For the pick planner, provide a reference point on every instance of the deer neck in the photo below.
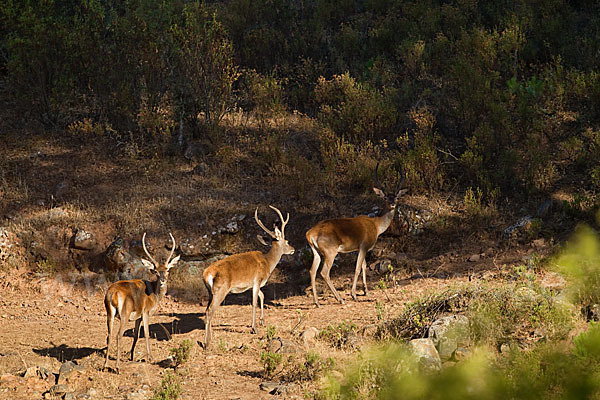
(274, 255)
(159, 290)
(385, 220)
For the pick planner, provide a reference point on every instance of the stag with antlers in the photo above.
(346, 235)
(135, 299)
(241, 272)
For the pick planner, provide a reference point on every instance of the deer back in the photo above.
(345, 234)
(139, 294)
(237, 271)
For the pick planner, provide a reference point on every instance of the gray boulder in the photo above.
(448, 334)
(426, 353)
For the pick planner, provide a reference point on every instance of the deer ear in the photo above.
(148, 264)
(261, 240)
(379, 192)
(173, 262)
(401, 193)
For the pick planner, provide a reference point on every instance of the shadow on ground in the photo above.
(182, 323)
(64, 352)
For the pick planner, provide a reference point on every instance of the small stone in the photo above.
(461, 353)
(448, 333)
(67, 369)
(168, 362)
(309, 336)
(59, 389)
(539, 243)
(83, 240)
(268, 386)
(139, 395)
(30, 372)
(7, 378)
(44, 373)
(475, 258)
(505, 348)
(69, 396)
(283, 346)
(426, 353)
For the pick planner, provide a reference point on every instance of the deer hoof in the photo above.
(253, 331)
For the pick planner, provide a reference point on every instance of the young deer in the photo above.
(346, 235)
(240, 272)
(133, 299)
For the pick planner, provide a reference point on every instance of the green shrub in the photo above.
(170, 387)
(579, 262)
(547, 371)
(271, 331)
(181, 354)
(422, 165)
(354, 111)
(518, 314)
(509, 312)
(263, 96)
(338, 335)
(309, 369)
(270, 362)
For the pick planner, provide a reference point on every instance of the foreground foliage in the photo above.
(547, 371)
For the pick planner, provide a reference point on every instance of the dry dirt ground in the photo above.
(46, 321)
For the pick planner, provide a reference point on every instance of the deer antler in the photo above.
(283, 221)
(271, 233)
(146, 250)
(172, 250)
(399, 190)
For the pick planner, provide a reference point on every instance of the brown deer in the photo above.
(345, 235)
(241, 272)
(135, 299)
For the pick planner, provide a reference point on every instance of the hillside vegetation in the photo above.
(120, 118)
(503, 97)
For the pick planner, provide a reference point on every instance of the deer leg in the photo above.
(207, 322)
(145, 318)
(364, 275)
(261, 297)
(122, 326)
(109, 322)
(359, 262)
(136, 335)
(255, 290)
(327, 264)
(216, 300)
(313, 273)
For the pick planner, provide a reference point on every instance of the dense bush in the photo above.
(502, 314)
(547, 371)
(579, 261)
(138, 66)
(509, 91)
